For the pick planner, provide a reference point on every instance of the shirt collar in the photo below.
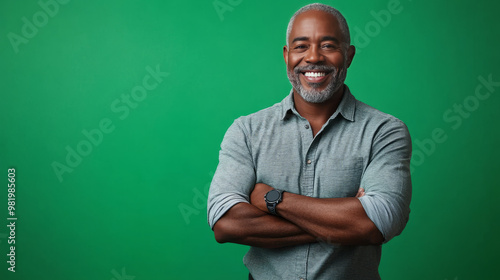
(346, 108)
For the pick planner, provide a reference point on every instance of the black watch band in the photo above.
(273, 197)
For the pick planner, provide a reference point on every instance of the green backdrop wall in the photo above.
(112, 114)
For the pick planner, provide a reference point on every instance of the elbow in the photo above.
(233, 225)
(368, 234)
(220, 236)
(374, 236)
(219, 233)
(224, 232)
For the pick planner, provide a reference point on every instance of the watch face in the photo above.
(273, 195)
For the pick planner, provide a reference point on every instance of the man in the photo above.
(314, 184)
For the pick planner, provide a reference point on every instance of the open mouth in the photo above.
(315, 76)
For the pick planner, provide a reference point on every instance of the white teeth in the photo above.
(315, 74)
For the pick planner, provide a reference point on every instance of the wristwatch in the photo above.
(273, 197)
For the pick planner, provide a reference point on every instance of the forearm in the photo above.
(246, 224)
(336, 220)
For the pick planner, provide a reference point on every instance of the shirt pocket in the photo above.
(340, 177)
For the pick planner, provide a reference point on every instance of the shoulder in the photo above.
(367, 113)
(381, 125)
(273, 111)
(247, 129)
(264, 118)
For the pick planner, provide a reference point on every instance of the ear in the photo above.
(285, 54)
(351, 51)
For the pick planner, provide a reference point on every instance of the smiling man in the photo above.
(318, 182)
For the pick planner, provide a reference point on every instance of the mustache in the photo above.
(299, 69)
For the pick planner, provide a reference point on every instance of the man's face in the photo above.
(317, 57)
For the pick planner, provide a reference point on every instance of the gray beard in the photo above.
(313, 95)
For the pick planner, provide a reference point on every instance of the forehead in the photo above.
(315, 24)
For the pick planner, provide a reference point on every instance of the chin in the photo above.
(314, 96)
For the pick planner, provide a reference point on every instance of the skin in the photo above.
(315, 39)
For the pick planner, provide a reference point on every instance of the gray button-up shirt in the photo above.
(358, 146)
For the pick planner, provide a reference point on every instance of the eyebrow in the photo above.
(330, 38)
(324, 38)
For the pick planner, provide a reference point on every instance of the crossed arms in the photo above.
(303, 220)
(238, 212)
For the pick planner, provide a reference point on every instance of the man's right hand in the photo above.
(361, 192)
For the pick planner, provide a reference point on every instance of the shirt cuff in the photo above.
(387, 215)
(221, 204)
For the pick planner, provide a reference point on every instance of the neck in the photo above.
(318, 113)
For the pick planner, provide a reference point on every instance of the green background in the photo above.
(117, 215)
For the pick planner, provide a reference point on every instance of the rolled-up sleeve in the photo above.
(387, 181)
(234, 178)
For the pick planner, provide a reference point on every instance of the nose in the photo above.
(314, 55)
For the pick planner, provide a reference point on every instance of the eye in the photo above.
(328, 46)
(299, 47)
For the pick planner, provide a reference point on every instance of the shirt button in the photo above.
(309, 161)
(307, 127)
